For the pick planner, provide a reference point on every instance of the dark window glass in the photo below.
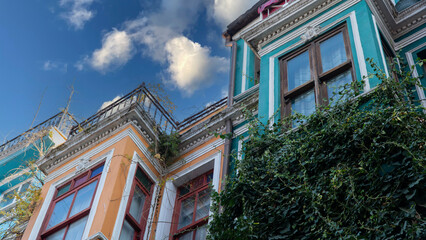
(97, 171)
(143, 179)
(80, 181)
(63, 190)
(184, 190)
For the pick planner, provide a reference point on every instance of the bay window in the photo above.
(69, 210)
(192, 209)
(310, 76)
(137, 208)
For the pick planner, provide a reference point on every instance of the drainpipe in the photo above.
(227, 152)
(228, 122)
(232, 73)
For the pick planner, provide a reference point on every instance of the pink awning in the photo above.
(267, 4)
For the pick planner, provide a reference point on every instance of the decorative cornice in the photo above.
(285, 20)
(93, 136)
(399, 23)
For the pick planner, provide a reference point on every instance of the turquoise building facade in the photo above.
(17, 155)
(278, 43)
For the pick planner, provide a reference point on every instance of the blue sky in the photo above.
(106, 48)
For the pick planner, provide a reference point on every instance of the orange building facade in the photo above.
(104, 183)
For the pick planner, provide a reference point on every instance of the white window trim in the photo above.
(411, 63)
(16, 187)
(244, 75)
(52, 189)
(380, 45)
(136, 160)
(169, 194)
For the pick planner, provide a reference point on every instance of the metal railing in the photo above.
(143, 100)
(140, 98)
(202, 114)
(63, 121)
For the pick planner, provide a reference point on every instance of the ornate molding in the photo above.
(399, 23)
(290, 17)
(310, 33)
(82, 165)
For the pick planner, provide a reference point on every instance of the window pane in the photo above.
(76, 229)
(59, 235)
(127, 232)
(304, 104)
(210, 177)
(24, 187)
(201, 233)
(80, 181)
(83, 198)
(60, 211)
(96, 171)
(332, 52)
(184, 190)
(298, 70)
(186, 212)
(336, 84)
(143, 179)
(138, 200)
(203, 204)
(63, 190)
(7, 199)
(187, 236)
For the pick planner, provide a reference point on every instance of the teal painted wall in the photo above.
(239, 67)
(243, 72)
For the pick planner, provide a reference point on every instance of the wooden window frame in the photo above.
(176, 233)
(139, 226)
(72, 190)
(318, 77)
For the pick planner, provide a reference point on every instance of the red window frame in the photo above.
(139, 226)
(196, 186)
(72, 190)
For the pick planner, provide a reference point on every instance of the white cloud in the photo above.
(226, 11)
(159, 35)
(190, 64)
(50, 65)
(209, 104)
(77, 12)
(116, 50)
(107, 103)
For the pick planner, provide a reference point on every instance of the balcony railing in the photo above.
(202, 114)
(63, 121)
(143, 100)
(140, 98)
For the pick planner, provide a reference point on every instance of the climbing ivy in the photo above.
(352, 171)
